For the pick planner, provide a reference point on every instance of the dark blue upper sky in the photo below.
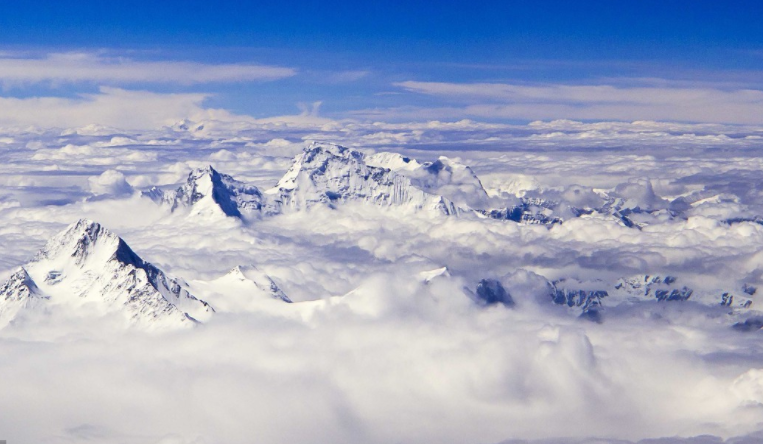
(507, 42)
(409, 30)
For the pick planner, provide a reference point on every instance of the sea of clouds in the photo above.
(395, 359)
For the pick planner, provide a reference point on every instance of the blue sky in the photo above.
(403, 60)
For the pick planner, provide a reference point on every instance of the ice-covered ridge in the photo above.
(88, 265)
(260, 280)
(243, 289)
(207, 191)
(444, 177)
(430, 275)
(393, 161)
(594, 295)
(331, 174)
(19, 292)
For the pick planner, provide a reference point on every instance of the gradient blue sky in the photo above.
(409, 60)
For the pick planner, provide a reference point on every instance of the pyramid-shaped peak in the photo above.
(207, 182)
(209, 192)
(19, 286)
(261, 280)
(88, 263)
(241, 270)
(248, 272)
(202, 171)
(80, 239)
(208, 171)
(83, 227)
(86, 241)
(84, 230)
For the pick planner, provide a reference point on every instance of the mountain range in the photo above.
(88, 268)
(332, 175)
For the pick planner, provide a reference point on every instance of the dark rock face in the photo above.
(99, 265)
(660, 287)
(529, 211)
(727, 300)
(491, 291)
(676, 294)
(572, 297)
(331, 174)
(593, 315)
(751, 324)
(233, 197)
(19, 286)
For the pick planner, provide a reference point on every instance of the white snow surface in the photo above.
(330, 174)
(88, 269)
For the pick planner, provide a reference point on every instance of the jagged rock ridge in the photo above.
(491, 291)
(87, 264)
(329, 174)
(332, 174)
(260, 280)
(207, 191)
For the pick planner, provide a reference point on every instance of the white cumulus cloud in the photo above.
(111, 182)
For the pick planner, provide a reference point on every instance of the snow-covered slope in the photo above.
(19, 292)
(444, 177)
(393, 161)
(208, 192)
(530, 211)
(331, 174)
(430, 275)
(670, 288)
(460, 184)
(88, 268)
(452, 179)
(590, 297)
(244, 288)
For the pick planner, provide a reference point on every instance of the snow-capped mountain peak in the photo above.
(80, 242)
(19, 286)
(329, 174)
(452, 179)
(445, 177)
(393, 161)
(317, 156)
(208, 192)
(263, 282)
(245, 288)
(88, 265)
(19, 292)
(430, 275)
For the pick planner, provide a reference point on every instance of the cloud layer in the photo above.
(370, 353)
(57, 68)
(113, 107)
(592, 102)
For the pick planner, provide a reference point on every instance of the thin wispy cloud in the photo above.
(560, 101)
(73, 67)
(349, 76)
(110, 106)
